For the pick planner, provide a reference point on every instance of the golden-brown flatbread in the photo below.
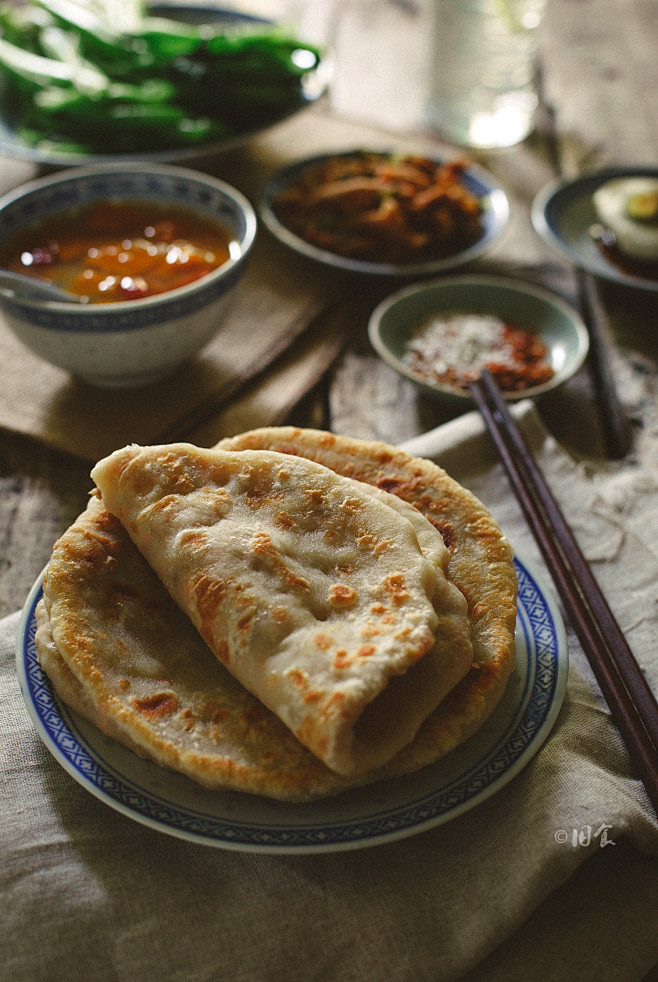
(481, 565)
(122, 653)
(324, 597)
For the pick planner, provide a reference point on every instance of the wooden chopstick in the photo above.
(614, 423)
(615, 426)
(624, 687)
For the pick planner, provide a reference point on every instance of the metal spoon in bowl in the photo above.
(29, 288)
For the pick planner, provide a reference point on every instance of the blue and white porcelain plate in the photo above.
(563, 214)
(369, 816)
(476, 180)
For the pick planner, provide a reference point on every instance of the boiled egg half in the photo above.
(628, 207)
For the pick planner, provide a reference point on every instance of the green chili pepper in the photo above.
(126, 127)
(97, 42)
(69, 98)
(53, 144)
(22, 26)
(136, 114)
(167, 40)
(108, 77)
(31, 71)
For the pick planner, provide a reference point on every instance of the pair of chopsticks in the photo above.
(631, 702)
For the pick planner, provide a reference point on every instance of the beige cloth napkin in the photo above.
(495, 894)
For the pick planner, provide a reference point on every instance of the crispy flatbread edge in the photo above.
(462, 712)
(447, 728)
(223, 774)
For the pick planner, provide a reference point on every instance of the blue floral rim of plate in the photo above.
(406, 807)
(476, 180)
(562, 214)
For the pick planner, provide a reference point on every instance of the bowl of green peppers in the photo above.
(84, 81)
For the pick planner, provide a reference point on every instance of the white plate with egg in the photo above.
(605, 222)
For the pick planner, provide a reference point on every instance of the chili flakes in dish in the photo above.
(453, 349)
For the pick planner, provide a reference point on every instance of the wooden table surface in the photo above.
(599, 75)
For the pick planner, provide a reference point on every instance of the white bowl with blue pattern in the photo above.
(130, 342)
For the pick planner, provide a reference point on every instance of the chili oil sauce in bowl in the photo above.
(150, 253)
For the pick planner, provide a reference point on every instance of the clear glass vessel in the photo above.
(482, 70)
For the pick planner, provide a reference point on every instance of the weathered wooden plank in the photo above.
(40, 495)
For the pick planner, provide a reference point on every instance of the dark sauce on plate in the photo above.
(607, 245)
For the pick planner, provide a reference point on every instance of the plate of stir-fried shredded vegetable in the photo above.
(385, 212)
(92, 80)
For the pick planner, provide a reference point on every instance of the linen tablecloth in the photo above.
(499, 893)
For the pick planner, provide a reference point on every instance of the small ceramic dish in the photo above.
(396, 320)
(475, 180)
(138, 341)
(563, 214)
